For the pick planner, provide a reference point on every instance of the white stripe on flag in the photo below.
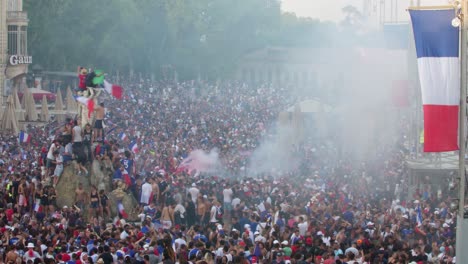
(440, 80)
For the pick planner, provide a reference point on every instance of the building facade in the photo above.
(14, 56)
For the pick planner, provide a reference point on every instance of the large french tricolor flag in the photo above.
(439, 73)
(114, 90)
(88, 102)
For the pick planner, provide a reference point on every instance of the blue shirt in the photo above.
(117, 175)
(128, 165)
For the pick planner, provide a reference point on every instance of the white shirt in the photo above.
(261, 226)
(26, 256)
(180, 208)
(235, 202)
(123, 235)
(77, 134)
(213, 213)
(227, 193)
(179, 242)
(146, 190)
(194, 193)
(59, 159)
(302, 228)
(50, 153)
(260, 238)
(326, 240)
(219, 252)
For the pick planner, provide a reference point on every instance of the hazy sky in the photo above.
(331, 9)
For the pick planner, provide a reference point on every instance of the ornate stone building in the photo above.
(14, 57)
(326, 72)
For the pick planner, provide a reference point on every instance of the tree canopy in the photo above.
(206, 37)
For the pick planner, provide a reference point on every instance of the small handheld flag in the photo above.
(122, 136)
(134, 147)
(419, 218)
(24, 137)
(121, 209)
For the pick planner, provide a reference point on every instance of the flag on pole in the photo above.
(134, 147)
(121, 209)
(436, 42)
(114, 90)
(126, 178)
(37, 206)
(122, 136)
(419, 218)
(89, 103)
(24, 137)
(111, 130)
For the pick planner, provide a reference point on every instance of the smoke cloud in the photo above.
(359, 84)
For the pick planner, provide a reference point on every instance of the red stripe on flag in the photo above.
(117, 91)
(90, 107)
(440, 128)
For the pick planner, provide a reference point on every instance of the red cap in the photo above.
(66, 257)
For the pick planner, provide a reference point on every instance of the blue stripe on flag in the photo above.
(434, 34)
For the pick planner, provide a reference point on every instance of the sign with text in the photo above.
(20, 59)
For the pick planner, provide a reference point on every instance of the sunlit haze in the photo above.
(331, 10)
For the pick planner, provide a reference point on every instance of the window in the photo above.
(12, 39)
(23, 41)
(13, 5)
(17, 40)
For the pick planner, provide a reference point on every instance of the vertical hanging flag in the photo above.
(439, 73)
(134, 147)
(24, 137)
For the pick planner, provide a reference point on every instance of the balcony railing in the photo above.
(17, 15)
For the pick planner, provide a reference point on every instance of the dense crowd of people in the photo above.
(330, 208)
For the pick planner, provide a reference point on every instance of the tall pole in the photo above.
(462, 224)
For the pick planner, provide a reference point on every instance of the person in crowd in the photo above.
(50, 164)
(88, 142)
(104, 209)
(58, 167)
(99, 123)
(94, 202)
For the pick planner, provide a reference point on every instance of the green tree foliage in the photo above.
(202, 37)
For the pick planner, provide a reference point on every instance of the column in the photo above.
(3, 48)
